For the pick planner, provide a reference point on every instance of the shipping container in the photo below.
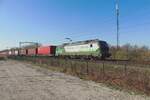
(32, 51)
(47, 50)
(23, 52)
(5, 52)
(12, 52)
(16, 52)
(9, 52)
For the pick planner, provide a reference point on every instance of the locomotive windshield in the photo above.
(104, 49)
(103, 44)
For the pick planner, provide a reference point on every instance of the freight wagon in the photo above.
(13, 52)
(31, 51)
(46, 50)
(39, 51)
(23, 51)
(86, 49)
(4, 53)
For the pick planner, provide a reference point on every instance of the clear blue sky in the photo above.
(50, 21)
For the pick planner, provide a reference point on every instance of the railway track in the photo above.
(110, 61)
(115, 61)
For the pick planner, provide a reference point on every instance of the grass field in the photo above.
(121, 76)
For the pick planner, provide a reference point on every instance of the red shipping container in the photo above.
(47, 50)
(32, 51)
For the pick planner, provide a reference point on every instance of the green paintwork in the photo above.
(61, 51)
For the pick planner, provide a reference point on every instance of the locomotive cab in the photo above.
(104, 49)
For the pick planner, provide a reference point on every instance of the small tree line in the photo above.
(130, 52)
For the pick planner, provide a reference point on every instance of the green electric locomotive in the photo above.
(84, 49)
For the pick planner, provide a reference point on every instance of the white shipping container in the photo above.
(16, 52)
(9, 53)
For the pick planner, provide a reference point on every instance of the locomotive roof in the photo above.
(82, 42)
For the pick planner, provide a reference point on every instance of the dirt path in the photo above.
(20, 81)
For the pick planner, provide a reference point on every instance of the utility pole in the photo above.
(117, 17)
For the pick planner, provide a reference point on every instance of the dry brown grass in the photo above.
(123, 76)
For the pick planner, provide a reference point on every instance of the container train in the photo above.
(81, 49)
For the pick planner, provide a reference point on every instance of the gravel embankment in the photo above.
(21, 81)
